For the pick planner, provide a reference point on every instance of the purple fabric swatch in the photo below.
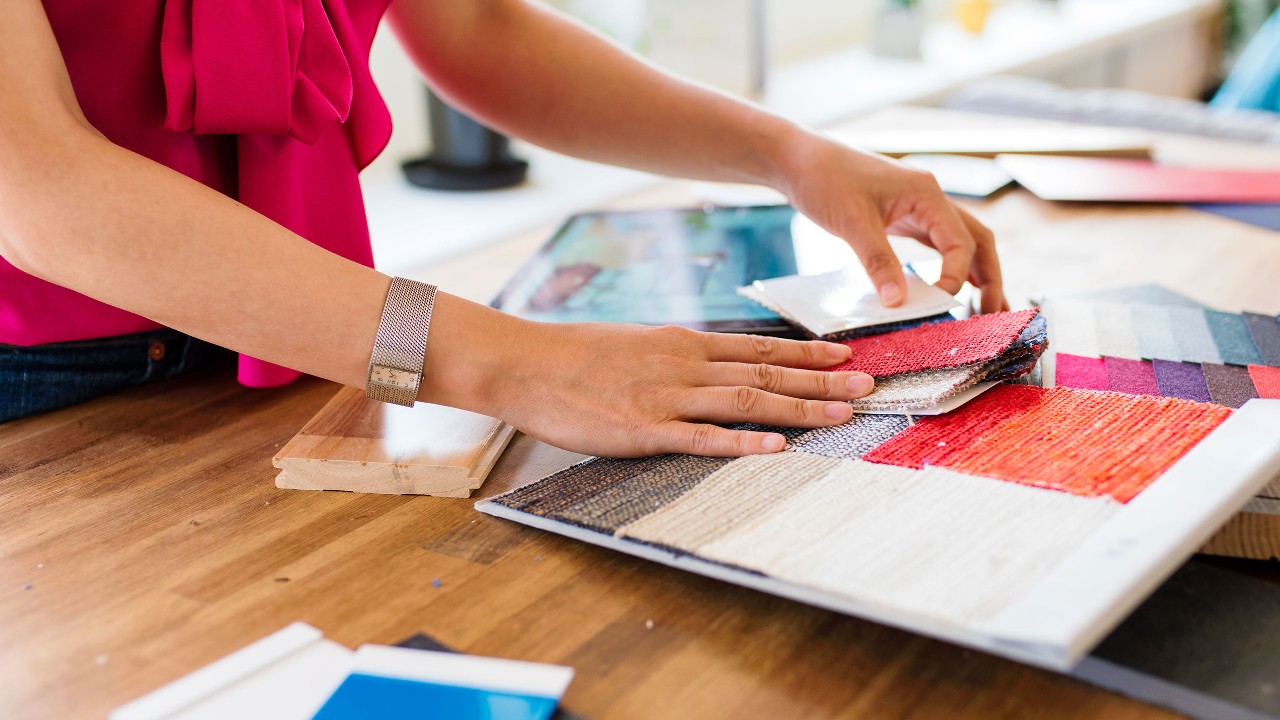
(1084, 373)
(1181, 380)
(1263, 215)
(1231, 335)
(1135, 377)
(1229, 385)
(1265, 331)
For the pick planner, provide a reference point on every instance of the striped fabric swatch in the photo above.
(1228, 385)
(944, 545)
(1175, 333)
(1084, 443)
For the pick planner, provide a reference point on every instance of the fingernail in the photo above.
(773, 443)
(838, 411)
(838, 351)
(891, 293)
(860, 384)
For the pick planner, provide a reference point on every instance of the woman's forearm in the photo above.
(537, 75)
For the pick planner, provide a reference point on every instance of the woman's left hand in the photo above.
(861, 196)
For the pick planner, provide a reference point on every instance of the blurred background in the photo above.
(1149, 63)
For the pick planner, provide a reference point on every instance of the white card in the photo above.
(844, 300)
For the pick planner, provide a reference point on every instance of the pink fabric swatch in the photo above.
(937, 345)
(1135, 377)
(1085, 373)
(1266, 380)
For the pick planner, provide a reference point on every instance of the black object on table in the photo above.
(465, 155)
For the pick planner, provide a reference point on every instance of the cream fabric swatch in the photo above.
(919, 390)
(933, 542)
(1155, 332)
(1116, 338)
(1072, 327)
(731, 496)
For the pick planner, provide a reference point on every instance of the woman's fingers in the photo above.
(701, 439)
(985, 272)
(773, 351)
(748, 404)
(811, 384)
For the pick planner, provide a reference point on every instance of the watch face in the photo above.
(395, 377)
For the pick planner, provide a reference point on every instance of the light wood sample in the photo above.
(362, 445)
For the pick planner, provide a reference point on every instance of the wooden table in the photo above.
(141, 536)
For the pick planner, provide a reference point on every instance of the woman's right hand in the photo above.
(631, 390)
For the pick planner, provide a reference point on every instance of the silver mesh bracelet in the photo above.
(395, 368)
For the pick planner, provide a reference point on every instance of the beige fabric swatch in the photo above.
(919, 390)
(1073, 328)
(934, 542)
(731, 496)
(1116, 337)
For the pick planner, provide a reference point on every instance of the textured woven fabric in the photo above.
(730, 497)
(1228, 385)
(937, 440)
(1264, 330)
(1181, 380)
(1266, 380)
(1085, 443)
(919, 390)
(1135, 377)
(574, 484)
(1116, 338)
(853, 439)
(1192, 336)
(1154, 331)
(1021, 357)
(640, 494)
(1075, 371)
(939, 345)
(1075, 329)
(1231, 335)
(936, 543)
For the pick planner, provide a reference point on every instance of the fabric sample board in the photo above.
(1122, 180)
(983, 522)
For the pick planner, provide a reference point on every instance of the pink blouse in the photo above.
(268, 101)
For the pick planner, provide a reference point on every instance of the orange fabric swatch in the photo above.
(1078, 441)
(1266, 380)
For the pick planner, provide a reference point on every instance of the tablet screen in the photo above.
(659, 267)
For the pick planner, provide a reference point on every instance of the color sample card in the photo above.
(1012, 524)
(394, 682)
(1172, 350)
(1117, 180)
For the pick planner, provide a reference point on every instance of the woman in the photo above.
(192, 165)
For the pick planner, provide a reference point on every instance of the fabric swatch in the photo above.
(732, 496)
(1181, 380)
(938, 345)
(853, 439)
(1192, 336)
(1265, 332)
(1155, 333)
(1081, 442)
(1231, 335)
(1075, 327)
(919, 389)
(1135, 377)
(640, 494)
(1266, 380)
(1229, 385)
(1085, 373)
(1116, 338)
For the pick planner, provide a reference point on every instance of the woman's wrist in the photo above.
(469, 350)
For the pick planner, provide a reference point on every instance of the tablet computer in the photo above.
(670, 267)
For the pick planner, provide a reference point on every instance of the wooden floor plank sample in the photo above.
(361, 445)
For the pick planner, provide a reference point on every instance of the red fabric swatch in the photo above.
(1077, 441)
(1266, 380)
(937, 345)
(1076, 371)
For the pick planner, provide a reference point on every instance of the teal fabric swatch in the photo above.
(1231, 335)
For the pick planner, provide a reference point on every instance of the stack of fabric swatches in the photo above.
(921, 367)
(1167, 350)
(951, 519)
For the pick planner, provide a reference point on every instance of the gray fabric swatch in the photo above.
(1155, 334)
(1191, 333)
(1265, 331)
(853, 439)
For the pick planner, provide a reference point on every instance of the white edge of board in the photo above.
(1061, 618)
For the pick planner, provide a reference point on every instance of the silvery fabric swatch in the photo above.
(853, 439)
(1191, 333)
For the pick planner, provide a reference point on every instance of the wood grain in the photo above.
(360, 445)
(141, 535)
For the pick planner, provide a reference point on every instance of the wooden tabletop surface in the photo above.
(141, 535)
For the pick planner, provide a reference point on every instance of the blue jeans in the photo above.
(47, 377)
